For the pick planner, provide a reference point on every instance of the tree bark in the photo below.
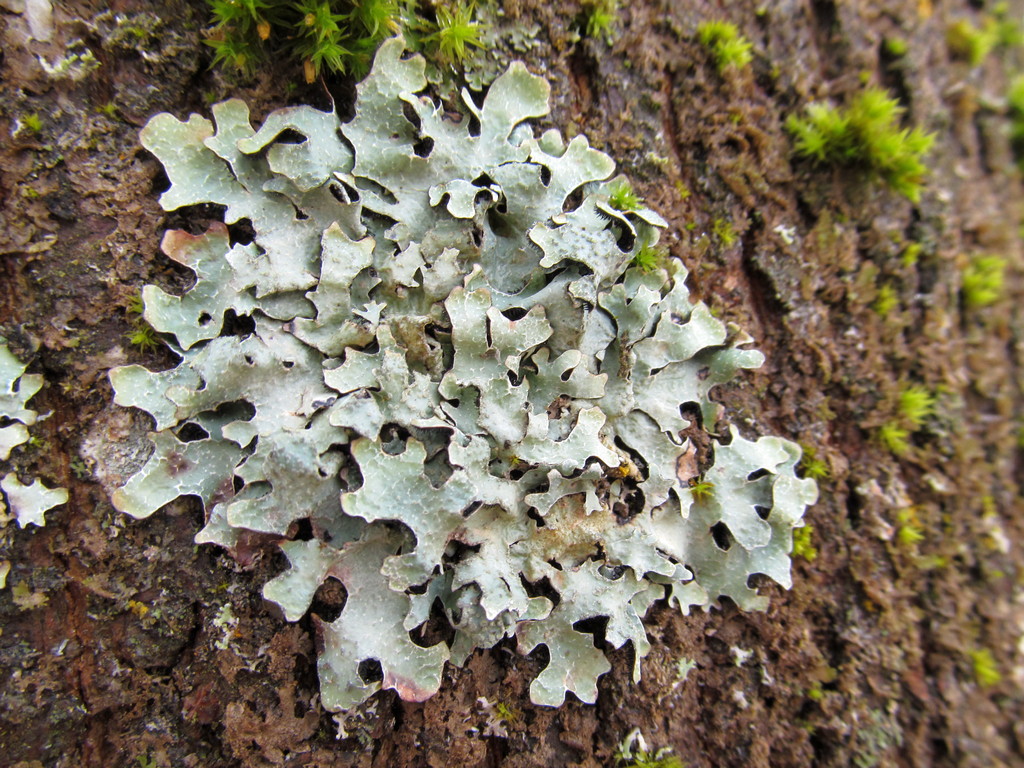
(115, 650)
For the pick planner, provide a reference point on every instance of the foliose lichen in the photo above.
(26, 503)
(455, 376)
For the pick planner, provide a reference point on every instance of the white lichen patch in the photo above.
(447, 365)
(26, 503)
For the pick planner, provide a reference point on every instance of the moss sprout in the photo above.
(909, 532)
(724, 231)
(728, 47)
(333, 36)
(865, 134)
(803, 545)
(986, 669)
(701, 490)
(982, 281)
(971, 43)
(599, 17)
(649, 258)
(31, 123)
(886, 301)
(895, 438)
(622, 197)
(916, 404)
(456, 32)
(811, 465)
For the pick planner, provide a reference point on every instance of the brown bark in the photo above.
(872, 657)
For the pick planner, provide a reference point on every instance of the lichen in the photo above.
(27, 503)
(452, 372)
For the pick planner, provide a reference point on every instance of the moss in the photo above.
(895, 438)
(886, 301)
(982, 281)
(911, 254)
(456, 32)
(31, 123)
(896, 47)
(811, 466)
(650, 258)
(970, 43)
(802, 545)
(727, 46)
(916, 404)
(599, 17)
(866, 134)
(621, 196)
(724, 231)
(334, 36)
(986, 669)
(701, 490)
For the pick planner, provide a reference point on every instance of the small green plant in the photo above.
(896, 47)
(108, 110)
(728, 47)
(621, 196)
(909, 533)
(724, 231)
(455, 31)
(802, 544)
(885, 301)
(916, 404)
(334, 36)
(986, 668)
(865, 134)
(143, 337)
(911, 254)
(701, 490)
(894, 437)
(632, 752)
(811, 465)
(971, 43)
(982, 281)
(599, 16)
(648, 258)
(31, 123)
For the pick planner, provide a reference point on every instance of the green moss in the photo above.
(866, 134)
(649, 258)
(599, 17)
(909, 532)
(811, 466)
(896, 46)
(911, 254)
(724, 231)
(895, 438)
(802, 545)
(982, 281)
(143, 337)
(916, 404)
(971, 43)
(109, 110)
(31, 123)
(456, 31)
(728, 47)
(701, 490)
(886, 301)
(621, 196)
(334, 36)
(986, 669)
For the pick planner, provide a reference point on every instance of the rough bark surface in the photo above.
(110, 653)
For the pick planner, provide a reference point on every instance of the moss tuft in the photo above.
(865, 134)
(728, 47)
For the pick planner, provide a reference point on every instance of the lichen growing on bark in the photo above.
(452, 372)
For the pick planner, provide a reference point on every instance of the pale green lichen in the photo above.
(454, 374)
(27, 503)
